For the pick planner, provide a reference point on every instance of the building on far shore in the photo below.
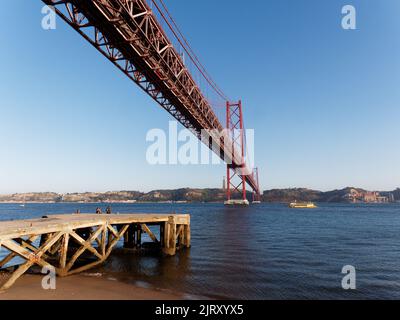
(368, 197)
(354, 196)
(382, 199)
(371, 197)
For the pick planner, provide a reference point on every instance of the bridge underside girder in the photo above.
(128, 34)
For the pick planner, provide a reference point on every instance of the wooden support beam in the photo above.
(130, 239)
(166, 235)
(56, 247)
(85, 267)
(29, 244)
(113, 231)
(162, 234)
(115, 241)
(146, 229)
(24, 244)
(85, 245)
(35, 255)
(179, 230)
(172, 239)
(30, 257)
(104, 240)
(179, 235)
(139, 236)
(97, 240)
(64, 253)
(109, 247)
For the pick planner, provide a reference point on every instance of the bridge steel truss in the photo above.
(128, 34)
(235, 176)
(237, 171)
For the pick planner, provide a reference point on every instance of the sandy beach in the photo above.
(82, 287)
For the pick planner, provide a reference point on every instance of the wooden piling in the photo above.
(187, 236)
(169, 247)
(138, 236)
(130, 238)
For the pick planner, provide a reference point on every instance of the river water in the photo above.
(265, 251)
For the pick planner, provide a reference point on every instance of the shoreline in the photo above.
(167, 202)
(85, 287)
(108, 202)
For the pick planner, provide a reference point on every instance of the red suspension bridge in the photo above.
(143, 40)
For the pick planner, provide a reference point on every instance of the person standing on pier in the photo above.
(98, 211)
(108, 210)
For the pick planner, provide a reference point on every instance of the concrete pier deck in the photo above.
(60, 241)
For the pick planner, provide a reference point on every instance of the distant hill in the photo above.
(31, 197)
(112, 196)
(334, 196)
(289, 195)
(190, 195)
(183, 195)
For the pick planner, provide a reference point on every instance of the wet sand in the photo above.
(82, 287)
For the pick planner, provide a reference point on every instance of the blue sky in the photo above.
(324, 102)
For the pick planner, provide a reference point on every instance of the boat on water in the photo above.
(302, 205)
(23, 203)
(237, 203)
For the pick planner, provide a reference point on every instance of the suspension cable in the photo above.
(186, 46)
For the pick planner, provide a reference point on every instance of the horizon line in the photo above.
(198, 188)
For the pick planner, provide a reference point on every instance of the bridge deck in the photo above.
(59, 241)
